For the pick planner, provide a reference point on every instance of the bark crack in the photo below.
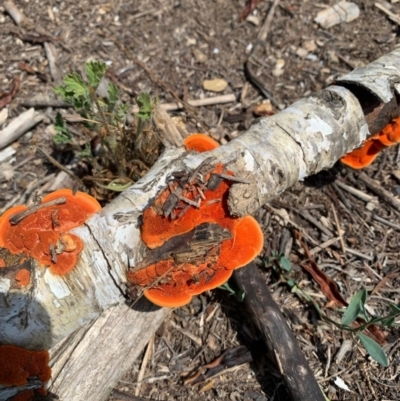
(295, 140)
(113, 279)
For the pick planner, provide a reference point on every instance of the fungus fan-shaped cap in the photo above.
(200, 143)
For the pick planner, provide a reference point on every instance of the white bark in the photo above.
(305, 138)
(19, 126)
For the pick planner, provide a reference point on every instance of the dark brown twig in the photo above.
(280, 341)
(59, 165)
(17, 218)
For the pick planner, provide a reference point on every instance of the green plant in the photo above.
(239, 294)
(355, 310)
(278, 261)
(103, 120)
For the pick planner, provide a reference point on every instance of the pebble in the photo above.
(199, 56)
(215, 85)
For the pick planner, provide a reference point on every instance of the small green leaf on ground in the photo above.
(112, 96)
(285, 263)
(374, 349)
(145, 106)
(95, 72)
(63, 135)
(116, 185)
(355, 307)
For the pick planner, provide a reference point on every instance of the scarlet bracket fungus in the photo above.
(364, 156)
(18, 364)
(41, 231)
(194, 202)
(200, 143)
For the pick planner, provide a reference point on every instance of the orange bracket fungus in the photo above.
(369, 151)
(41, 230)
(17, 365)
(194, 242)
(200, 143)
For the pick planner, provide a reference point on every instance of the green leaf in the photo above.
(291, 283)
(86, 152)
(388, 321)
(374, 349)
(121, 112)
(63, 135)
(285, 263)
(95, 72)
(112, 96)
(74, 84)
(355, 307)
(227, 287)
(60, 91)
(145, 106)
(116, 186)
(240, 295)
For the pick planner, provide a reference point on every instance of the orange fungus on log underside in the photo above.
(172, 284)
(17, 364)
(23, 277)
(41, 234)
(369, 151)
(200, 143)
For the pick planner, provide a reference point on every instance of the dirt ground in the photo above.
(185, 43)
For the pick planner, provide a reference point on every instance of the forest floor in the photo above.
(185, 43)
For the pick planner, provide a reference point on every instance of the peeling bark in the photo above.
(307, 137)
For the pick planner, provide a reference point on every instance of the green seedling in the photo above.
(104, 117)
(239, 294)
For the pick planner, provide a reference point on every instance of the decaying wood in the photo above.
(308, 136)
(171, 135)
(187, 247)
(281, 343)
(19, 126)
(341, 12)
(16, 14)
(89, 363)
(51, 54)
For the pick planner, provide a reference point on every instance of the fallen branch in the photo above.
(310, 135)
(281, 343)
(19, 126)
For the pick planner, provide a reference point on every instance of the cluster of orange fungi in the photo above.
(42, 234)
(369, 151)
(18, 364)
(172, 284)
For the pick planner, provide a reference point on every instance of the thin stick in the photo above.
(339, 230)
(16, 14)
(60, 166)
(142, 371)
(208, 101)
(234, 179)
(17, 218)
(356, 192)
(263, 33)
(381, 192)
(393, 17)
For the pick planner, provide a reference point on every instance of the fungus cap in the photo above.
(41, 233)
(200, 143)
(171, 284)
(369, 151)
